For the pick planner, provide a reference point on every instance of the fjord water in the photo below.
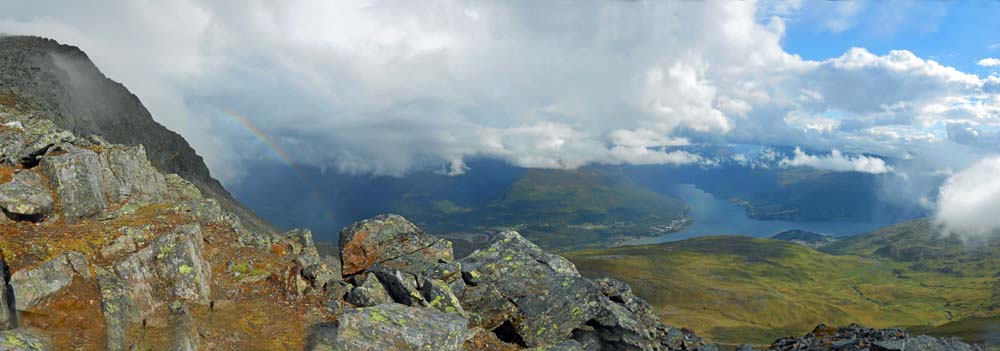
(715, 216)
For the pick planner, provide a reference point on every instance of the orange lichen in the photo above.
(72, 317)
(6, 174)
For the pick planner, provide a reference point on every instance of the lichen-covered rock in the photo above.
(857, 338)
(128, 175)
(369, 293)
(392, 241)
(77, 178)
(318, 275)
(170, 267)
(626, 322)
(403, 287)
(397, 327)
(23, 340)
(8, 316)
(438, 295)
(34, 285)
(568, 345)
(117, 308)
(26, 196)
(551, 300)
(301, 246)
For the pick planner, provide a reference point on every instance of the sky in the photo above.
(910, 89)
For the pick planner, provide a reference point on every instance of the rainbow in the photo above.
(284, 156)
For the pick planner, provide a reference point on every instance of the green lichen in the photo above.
(185, 269)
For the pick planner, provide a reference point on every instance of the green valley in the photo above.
(734, 288)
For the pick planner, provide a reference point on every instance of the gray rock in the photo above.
(23, 340)
(26, 196)
(32, 286)
(170, 267)
(117, 308)
(403, 287)
(397, 327)
(77, 178)
(8, 316)
(318, 275)
(300, 242)
(392, 241)
(439, 296)
(857, 338)
(369, 293)
(550, 299)
(128, 175)
(568, 345)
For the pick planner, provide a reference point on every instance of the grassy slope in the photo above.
(735, 289)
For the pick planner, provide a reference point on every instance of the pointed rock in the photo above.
(394, 242)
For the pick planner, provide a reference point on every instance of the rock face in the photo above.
(170, 268)
(395, 327)
(26, 197)
(8, 316)
(23, 340)
(857, 338)
(60, 82)
(388, 238)
(76, 177)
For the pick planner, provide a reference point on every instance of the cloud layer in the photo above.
(837, 162)
(970, 200)
(387, 87)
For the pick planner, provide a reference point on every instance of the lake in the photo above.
(713, 216)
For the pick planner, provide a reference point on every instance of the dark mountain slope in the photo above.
(61, 83)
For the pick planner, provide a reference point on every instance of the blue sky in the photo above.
(956, 34)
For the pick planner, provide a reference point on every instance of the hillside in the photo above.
(558, 209)
(740, 288)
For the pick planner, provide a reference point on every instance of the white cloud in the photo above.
(387, 87)
(989, 62)
(838, 162)
(969, 201)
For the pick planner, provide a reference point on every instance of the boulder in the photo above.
(23, 340)
(117, 308)
(369, 293)
(8, 316)
(301, 246)
(392, 241)
(396, 327)
(77, 178)
(170, 267)
(551, 299)
(32, 286)
(128, 175)
(26, 197)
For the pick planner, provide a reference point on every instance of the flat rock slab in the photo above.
(32, 286)
(397, 327)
